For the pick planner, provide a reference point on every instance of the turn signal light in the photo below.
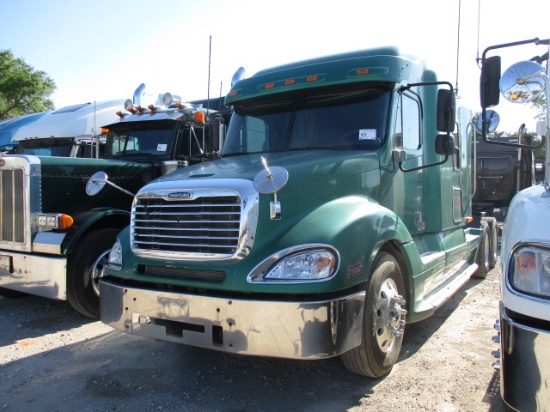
(54, 221)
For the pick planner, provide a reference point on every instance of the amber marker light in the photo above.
(269, 86)
(65, 221)
(313, 78)
(361, 72)
(199, 117)
(104, 130)
(289, 82)
(468, 219)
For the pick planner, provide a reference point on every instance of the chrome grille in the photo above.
(12, 205)
(205, 225)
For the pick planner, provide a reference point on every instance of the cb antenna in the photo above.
(209, 63)
(457, 48)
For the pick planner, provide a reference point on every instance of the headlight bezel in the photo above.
(115, 256)
(533, 259)
(260, 273)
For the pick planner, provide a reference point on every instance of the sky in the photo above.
(101, 49)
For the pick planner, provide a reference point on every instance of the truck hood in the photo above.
(318, 171)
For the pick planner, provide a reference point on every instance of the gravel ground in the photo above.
(53, 359)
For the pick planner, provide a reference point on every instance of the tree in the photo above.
(23, 89)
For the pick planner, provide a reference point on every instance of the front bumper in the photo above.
(39, 275)
(286, 329)
(525, 365)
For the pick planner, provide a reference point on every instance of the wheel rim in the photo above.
(486, 251)
(97, 270)
(389, 315)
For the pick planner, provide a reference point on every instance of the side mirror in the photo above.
(445, 144)
(523, 82)
(96, 183)
(492, 119)
(445, 111)
(489, 82)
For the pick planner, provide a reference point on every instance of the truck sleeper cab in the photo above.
(330, 220)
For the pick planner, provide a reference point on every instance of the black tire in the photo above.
(88, 258)
(493, 240)
(483, 252)
(383, 322)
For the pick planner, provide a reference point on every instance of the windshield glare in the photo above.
(338, 120)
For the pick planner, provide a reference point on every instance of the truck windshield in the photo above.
(338, 120)
(58, 146)
(140, 140)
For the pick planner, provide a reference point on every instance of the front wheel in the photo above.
(84, 268)
(383, 322)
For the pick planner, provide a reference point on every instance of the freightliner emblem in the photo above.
(180, 195)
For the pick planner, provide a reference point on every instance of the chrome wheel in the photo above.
(389, 315)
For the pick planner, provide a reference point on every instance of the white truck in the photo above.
(524, 307)
(72, 131)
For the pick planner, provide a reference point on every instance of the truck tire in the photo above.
(493, 240)
(383, 322)
(483, 254)
(84, 265)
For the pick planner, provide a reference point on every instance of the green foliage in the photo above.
(23, 89)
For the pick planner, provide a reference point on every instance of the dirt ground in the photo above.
(53, 359)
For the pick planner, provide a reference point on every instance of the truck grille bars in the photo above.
(194, 223)
(12, 205)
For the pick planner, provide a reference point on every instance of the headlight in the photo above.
(115, 256)
(54, 221)
(295, 265)
(529, 271)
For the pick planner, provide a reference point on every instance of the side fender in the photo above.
(92, 220)
(357, 227)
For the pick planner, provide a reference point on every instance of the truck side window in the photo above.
(408, 120)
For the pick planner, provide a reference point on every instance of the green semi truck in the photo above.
(54, 237)
(337, 213)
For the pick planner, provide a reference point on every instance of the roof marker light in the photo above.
(289, 82)
(363, 71)
(269, 86)
(199, 117)
(312, 78)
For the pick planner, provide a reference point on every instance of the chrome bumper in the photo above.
(33, 274)
(525, 365)
(298, 330)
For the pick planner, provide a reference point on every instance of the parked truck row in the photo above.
(313, 212)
